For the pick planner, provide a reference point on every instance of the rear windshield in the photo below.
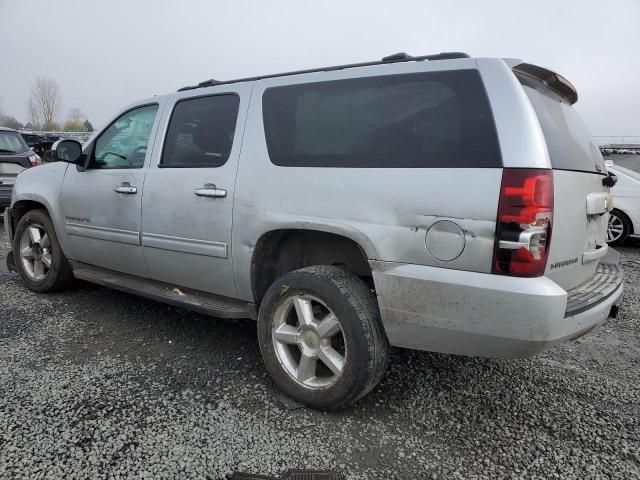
(435, 119)
(11, 142)
(568, 138)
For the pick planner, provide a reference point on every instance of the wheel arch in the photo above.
(20, 207)
(283, 250)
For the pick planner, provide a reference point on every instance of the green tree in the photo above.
(87, 126)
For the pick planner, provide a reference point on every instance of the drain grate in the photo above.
(293, 475)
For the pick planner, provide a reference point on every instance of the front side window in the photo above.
(201, 132)
(124, 143)
(431, 119)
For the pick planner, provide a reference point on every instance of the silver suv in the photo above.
(440, 203)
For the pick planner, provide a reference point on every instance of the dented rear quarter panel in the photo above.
(386, 211)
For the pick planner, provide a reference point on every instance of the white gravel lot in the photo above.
(100, 384)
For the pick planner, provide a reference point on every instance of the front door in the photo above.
(101, 204)
(188, 197)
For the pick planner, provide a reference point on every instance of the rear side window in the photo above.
(12, 142)
(435, 119)
(201, 132)
(568, 138)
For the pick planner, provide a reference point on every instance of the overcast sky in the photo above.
(106, 54)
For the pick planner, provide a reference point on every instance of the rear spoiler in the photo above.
(552, 80)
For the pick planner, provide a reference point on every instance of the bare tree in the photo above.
(75, 121)
(76, 116)
(45, 101)
(34, 118)
(8, 121)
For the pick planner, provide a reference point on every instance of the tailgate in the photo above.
(578, 238)
(581, 201)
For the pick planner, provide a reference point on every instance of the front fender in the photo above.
(42, 185)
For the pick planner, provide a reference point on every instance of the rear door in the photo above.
(189, 191)
(581, 201)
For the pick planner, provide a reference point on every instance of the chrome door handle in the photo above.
(210, 190)
(125, 187)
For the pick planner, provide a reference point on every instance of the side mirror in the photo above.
(69, 151)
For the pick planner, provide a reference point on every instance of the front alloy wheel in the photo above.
(35, 251)
(37, 254)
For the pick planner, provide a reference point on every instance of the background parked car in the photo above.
(624, 219)
(15, 156)
(38, 143)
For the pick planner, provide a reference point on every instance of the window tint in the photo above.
(124, 143)
(435, 119)
(568, 138)
(201, 132)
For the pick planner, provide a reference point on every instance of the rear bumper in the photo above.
(477, 314)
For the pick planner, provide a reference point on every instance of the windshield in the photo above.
(12, 142)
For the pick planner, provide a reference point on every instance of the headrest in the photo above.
(213, 136)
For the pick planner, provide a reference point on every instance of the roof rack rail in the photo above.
(206, 83)
(395, 58)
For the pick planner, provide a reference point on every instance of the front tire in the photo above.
(618, 228)
(38, 256)
(321, 337)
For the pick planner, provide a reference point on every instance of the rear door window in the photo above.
(434, 119)
(201, 132)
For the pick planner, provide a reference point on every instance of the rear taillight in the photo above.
(35, 160)
(523, 227)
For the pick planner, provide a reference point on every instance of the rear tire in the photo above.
(322, 338)
(618, 228)
(38, 256)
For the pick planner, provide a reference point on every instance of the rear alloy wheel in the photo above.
(37, 254)
(321, 336)
(309, 341)
(618, 228)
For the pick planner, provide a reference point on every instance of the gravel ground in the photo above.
(100, 384)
